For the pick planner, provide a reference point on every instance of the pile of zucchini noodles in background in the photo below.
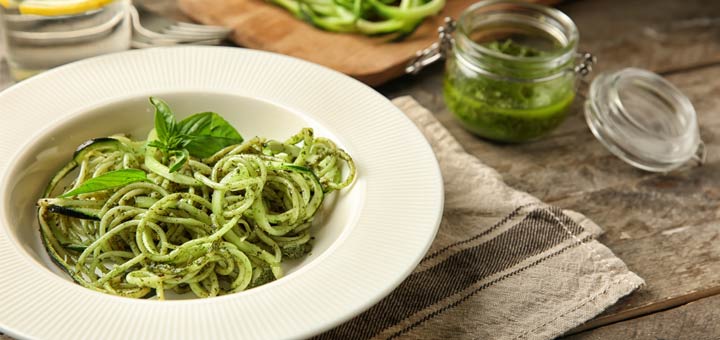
(137, 218)
(369, 17)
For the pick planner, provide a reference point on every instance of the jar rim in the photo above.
(560, 57)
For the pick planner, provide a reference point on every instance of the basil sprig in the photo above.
(200, 135)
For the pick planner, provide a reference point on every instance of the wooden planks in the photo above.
(666, 228)
(570, 152)
(664, 36)
(693, 321)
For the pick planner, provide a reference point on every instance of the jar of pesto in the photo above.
(510, 76)
(511, 69)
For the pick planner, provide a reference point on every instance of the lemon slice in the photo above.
(8, 3)
(54, 7)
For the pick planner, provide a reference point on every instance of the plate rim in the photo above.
(215, 53)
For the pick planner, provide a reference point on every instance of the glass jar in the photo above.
(39, 38)
(509, 73)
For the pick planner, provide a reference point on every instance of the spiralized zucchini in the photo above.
(216, 226)
(368, 17)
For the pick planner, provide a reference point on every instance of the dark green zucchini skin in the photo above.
(105, 143)
(86, 214)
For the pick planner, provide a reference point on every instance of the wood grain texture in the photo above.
(693, 321)
(665, 227)
(373, 60)
(664, 36)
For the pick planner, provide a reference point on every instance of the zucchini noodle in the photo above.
(217, 226)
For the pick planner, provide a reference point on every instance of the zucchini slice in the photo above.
(99, 144)
(78, 212)
(104, 143)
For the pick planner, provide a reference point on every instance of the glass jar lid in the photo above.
(644, 120)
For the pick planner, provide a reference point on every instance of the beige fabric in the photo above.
(540, 303)
(503, 266)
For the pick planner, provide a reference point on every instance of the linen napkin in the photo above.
(503, 265)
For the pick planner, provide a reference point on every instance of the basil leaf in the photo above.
(156, 144)
(164, 119)
(182, 158)
(109, 180)
(208, 133)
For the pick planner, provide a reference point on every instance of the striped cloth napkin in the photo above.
(503, 265)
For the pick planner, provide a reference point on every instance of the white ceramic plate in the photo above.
(366, 244)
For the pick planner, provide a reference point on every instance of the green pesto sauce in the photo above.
(507, 111)
(512, 48)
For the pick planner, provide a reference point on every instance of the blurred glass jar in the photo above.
(39, 35)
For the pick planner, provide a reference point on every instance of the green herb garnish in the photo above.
(510, 47)
(200, 135)
(108, 180)
(208, 133)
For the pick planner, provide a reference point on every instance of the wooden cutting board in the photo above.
(373, 60)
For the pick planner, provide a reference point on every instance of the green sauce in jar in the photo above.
(509, 76)
(507, 110)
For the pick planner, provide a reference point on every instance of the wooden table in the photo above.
(665, 227)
